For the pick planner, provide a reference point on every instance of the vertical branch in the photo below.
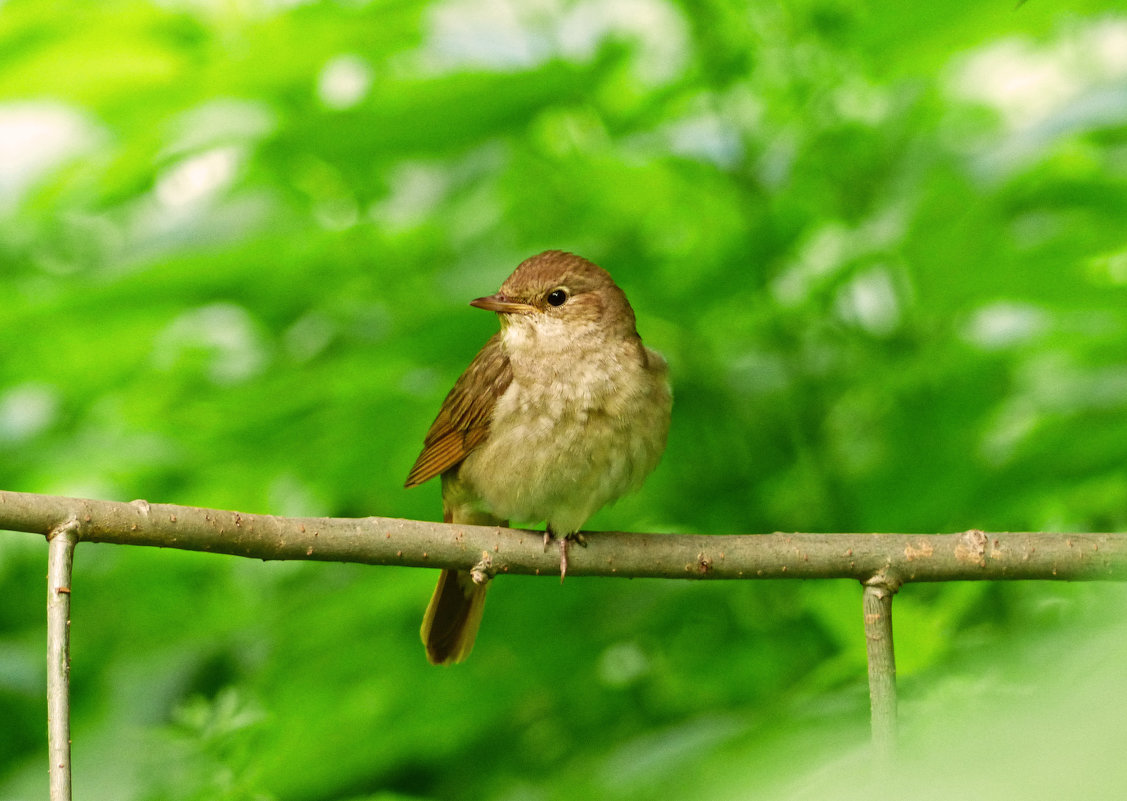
(877, 604)
(60, 558)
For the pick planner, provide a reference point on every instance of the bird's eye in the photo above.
(557, 297)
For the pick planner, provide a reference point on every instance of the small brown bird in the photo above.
(562, 412)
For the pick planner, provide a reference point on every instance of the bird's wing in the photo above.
(463, 421)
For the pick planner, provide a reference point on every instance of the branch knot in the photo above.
(883, 581)
(69, 527)
(483, 571)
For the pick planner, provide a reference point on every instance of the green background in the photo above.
(883, 247)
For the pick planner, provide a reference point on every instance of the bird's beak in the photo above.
(502, 305)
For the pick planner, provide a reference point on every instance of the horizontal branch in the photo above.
(390, 541)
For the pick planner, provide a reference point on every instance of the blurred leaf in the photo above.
(882, 251)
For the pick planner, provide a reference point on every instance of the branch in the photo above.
(60, 559)
(876, 602)
(390, 541)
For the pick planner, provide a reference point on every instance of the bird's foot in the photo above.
(565, 541)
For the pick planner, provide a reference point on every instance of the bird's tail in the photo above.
(454, 613)
(452, 617)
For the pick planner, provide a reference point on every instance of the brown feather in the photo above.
(452, 618)
(463, 421)
(454, 613)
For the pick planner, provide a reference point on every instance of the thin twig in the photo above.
(876, 603)
(60, 559)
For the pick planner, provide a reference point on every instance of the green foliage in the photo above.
(883, 251)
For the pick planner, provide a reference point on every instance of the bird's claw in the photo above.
(565, 542)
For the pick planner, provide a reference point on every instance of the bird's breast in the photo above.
(571, 434)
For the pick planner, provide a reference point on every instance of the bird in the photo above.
(562, 412)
